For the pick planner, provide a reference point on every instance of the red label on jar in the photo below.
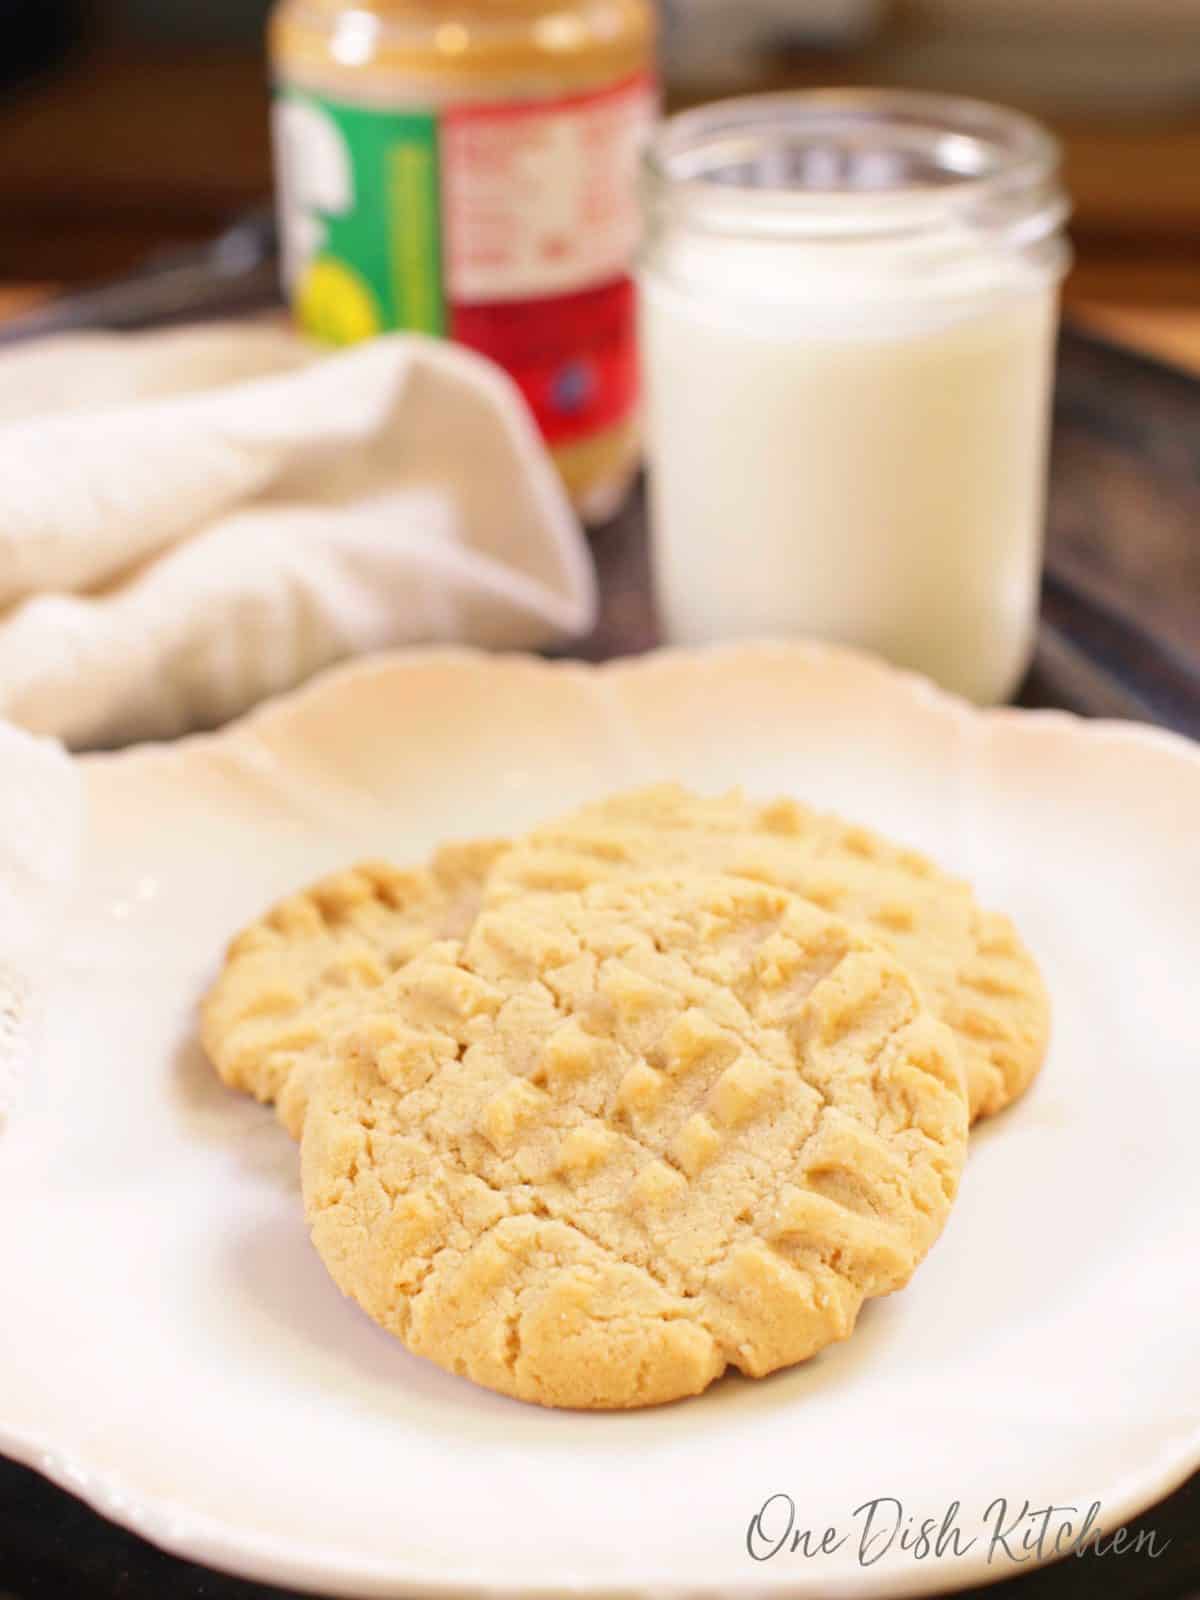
(573, 356)
(540, 225)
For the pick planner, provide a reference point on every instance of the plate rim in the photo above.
(206, 1540)
(279, 708)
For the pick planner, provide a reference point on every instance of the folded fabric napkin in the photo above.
(40, 828)
(193, 520)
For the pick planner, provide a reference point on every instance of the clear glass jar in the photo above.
(469, 168)
(849, 301)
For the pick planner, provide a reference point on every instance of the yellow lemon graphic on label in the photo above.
(334, 304)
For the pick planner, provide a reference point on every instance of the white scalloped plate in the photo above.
(171, 1349)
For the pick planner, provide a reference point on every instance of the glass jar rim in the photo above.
(852, 163)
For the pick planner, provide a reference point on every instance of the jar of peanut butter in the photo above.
(468, 168)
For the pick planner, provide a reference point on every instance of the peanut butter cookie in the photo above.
(969, 963)
(623, 1138)
(290, 980)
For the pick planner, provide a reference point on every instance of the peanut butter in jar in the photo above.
(468, 168)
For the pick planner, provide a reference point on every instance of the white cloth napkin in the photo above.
(191, 521)
(40, 829)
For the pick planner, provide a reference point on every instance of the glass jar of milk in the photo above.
(849, 302)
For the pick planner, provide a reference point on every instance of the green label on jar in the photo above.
(360, 212)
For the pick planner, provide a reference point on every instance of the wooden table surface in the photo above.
(123, 150)
(1166, 332)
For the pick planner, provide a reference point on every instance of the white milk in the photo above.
(848, 436)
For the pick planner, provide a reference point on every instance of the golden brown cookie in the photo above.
(291, 980)
(621, 1139)
(969, 963)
